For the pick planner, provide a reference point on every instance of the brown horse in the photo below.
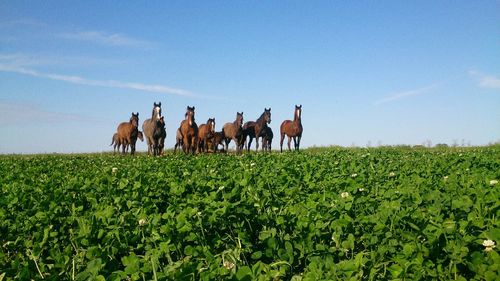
(255, 129)
(116, 142)
(159, 135)
(149, 127)
(189, 132)
(293, 129)
(205, 131)
(127, 132)
(178, 139)
(233, 131)
(267, 139)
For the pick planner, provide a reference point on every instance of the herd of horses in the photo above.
(197, 139)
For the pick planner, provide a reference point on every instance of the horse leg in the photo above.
(298, 142)
(295, 143)
(289, 141)
(194, 144)
(281, 141)
(176, 145)
(250, 139)
(237, 144)
(186, 145)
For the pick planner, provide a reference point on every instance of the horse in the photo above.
(255, 129)
(233, 131)
(248, 130)
(178, 139)
(189, 132)
(216, 140)
(293, 129)
(149, 127)
(267, 139)
(127, 132)
(205, 131)
(116, 142)
(159, 135)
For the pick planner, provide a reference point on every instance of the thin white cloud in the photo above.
(407, 94)
(13, 68)
(107, 39)
(26, 113)
(23, 22)
(485, 80)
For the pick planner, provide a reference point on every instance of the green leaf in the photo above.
(395, 270)
(256, 255)
(244, 273)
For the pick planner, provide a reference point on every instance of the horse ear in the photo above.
(159, 104)
(300, 106)
(154, 104)
(193, 107)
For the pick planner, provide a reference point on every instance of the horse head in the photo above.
(190, 115)
(134, 119)
(298, 111)
(211, 124)
(267, 115)
(161, 122)
(156, 114)
(239, 119)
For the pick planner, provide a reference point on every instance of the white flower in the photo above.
(229, 265)
(445, 178)
(392, 174)
(493, 182)
(114, 170)
(344, 194)
(489, 245)
(361, 189)
(354, 175)
(221, 187)
(252, 164)
(142, 222)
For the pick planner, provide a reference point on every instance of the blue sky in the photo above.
(366, 72)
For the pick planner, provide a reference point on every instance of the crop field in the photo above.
(319, 214)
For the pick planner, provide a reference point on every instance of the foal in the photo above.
(293, 129)
(205, 132)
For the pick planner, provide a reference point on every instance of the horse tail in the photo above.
(112, 141)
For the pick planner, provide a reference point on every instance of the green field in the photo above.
(320, 214)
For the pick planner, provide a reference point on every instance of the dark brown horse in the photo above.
(267, 139)
(159, 135)
(205, 132)
(233, 131)
(216, 140)
(149, 127)
(189, 132)
(127, 132)
(293, 129)
(255, 129)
